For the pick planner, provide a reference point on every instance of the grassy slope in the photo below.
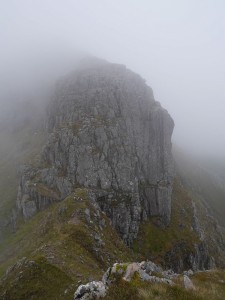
(196, 177)
(156, 241)
(62, 243)
(203, 187)
(61, 240)
(17, 147)
(209, 286)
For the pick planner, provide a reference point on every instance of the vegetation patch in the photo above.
(209, 285)
(35, 279)
(155, 241)
(81, 251)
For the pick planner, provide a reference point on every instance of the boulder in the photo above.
(188, 284)
(91, 290)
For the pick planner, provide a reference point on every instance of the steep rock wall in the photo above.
(107, 134)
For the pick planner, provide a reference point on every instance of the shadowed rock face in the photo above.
(109, 135)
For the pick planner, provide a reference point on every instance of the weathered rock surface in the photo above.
(91, 290)
(108, 134)
(188, 284)
(144, 271)
(207, 219)
(199, 258)
(128, 271)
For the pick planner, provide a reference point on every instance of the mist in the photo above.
(178, 46)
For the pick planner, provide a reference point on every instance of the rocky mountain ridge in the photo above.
(146, 271)
(108, 134)
(106, 172)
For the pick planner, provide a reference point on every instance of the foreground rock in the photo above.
(92, 290)
(188, 283)
(107, 134)
(146, 271)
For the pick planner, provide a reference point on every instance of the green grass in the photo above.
(201, 185)
(208, 286)
(155, 241)
(19, 147)
(37, 279)
(139, 290)
(65, 238)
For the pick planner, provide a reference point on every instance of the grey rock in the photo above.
(92, 290)
(201, 259)
(188, 284)
(131, 269)
(169, 274)
(87, 215)
(106, 276)
(126, 272)
(149, 267)
(146, 277)
(109, 135)
(156, 279)
(188, 273)
(198, 259)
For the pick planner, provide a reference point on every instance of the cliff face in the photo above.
(109, 135)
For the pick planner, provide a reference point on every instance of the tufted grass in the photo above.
(209, 285)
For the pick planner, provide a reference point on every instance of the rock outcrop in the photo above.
(145, 271)
(188, 283)
(91, 290)
(107, 134)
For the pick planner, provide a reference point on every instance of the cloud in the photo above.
(177, 46)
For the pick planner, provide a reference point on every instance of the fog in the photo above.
(178, 46)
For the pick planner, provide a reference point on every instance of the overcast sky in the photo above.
(178, 46)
